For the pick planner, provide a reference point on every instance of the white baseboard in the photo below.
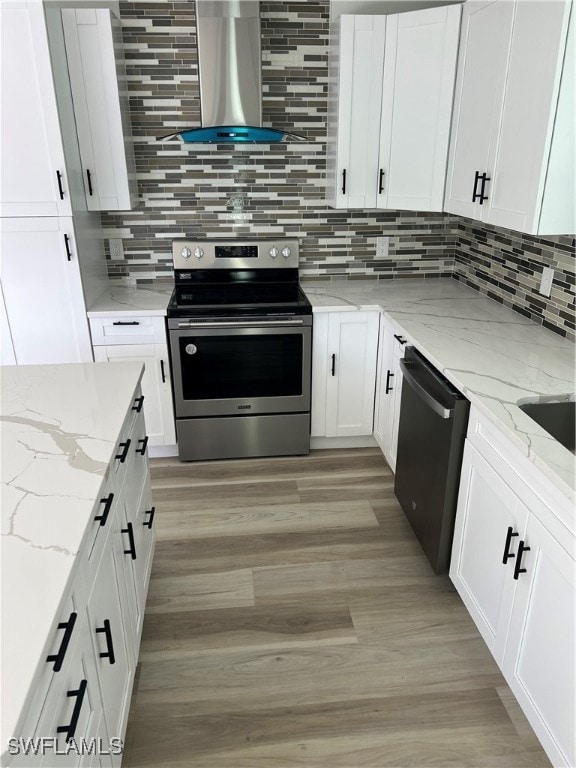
(162, 451)
(364, 441)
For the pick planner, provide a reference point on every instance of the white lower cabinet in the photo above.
(344, 354)
(41, 268)
(513, 566)
(388, 390)
(81, 697)
(144, 339)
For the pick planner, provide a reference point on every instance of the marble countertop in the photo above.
(133, 300)
(59, 428)
(491, 354)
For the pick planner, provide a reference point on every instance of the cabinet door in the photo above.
(351, 379)
(395, 412)
(33, 175)
(486, 509)
(384, 386)
(113, 662)
(484, 48)
(104, 133)
(539, 660)
(158, 408)
(43, 291)
(519, 157)
(355, 102)
(417, 94)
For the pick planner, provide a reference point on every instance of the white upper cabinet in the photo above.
(390, 102)
(97, 78)
(33, 178)
(511, 158)
(417, 93)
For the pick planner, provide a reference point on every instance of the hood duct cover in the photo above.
(230, 75)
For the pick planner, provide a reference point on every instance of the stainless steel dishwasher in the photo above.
(431, 433)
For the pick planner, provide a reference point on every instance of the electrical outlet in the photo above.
(116, 249)
(382, 247)
(546, 281)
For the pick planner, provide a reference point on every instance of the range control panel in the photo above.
(233, 254)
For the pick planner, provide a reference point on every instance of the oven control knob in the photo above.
(185, 253)
(191, 349)
(198, 252)
(273, 252)
(286, 252)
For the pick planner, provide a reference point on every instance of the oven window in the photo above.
(241, 366)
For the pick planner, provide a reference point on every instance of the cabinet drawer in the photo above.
(123, 329)
(103, 518)
(127, 445)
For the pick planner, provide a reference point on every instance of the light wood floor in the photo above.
(293, 621)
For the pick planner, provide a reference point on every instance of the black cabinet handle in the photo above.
(333, 365)
(162, 372)
(67, 626)
(60, 187)
(480, 195)
(344, 181)
(507, 554)
(124, 453)
(126, 322)
(70, 729)
(142, 449)
(103, 517)
(400, 340)
(517, 569)
(381, 182)
(132, 551)
(138, 403)
(67, 245)
(389, 377)
(151, 512)
(109, 653)
(89, 177)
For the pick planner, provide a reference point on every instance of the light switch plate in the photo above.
(382, 244)
(546, 281)
(116, 249)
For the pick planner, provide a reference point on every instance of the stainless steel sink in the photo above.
(556, 416)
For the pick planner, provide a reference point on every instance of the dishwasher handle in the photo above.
(441, 410)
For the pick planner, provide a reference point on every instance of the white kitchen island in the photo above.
(77, 543)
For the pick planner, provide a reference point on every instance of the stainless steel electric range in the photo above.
(240, 334)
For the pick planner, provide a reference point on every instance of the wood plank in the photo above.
(200, 591)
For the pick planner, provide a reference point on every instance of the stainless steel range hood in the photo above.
(229, 58)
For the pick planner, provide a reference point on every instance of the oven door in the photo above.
(219, 371)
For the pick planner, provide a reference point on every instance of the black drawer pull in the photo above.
(517, 569)
(89, 177)
(126, 322)
(103, 518)
(138, 403)
(507, 554)
(132, 550)
(67, 626)
(60, 188)
(162, 371)
(109, 653)
(381, 182)
(124, 452)
(480, 195)
(400, 340)
(67, 246)
(333, 365)
(142, 449)
(344, 181)
(389, 377)
(70, 730)
(151, 512)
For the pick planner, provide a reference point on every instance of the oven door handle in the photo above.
(243, 324)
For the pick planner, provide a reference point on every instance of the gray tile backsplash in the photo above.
(192, 191)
